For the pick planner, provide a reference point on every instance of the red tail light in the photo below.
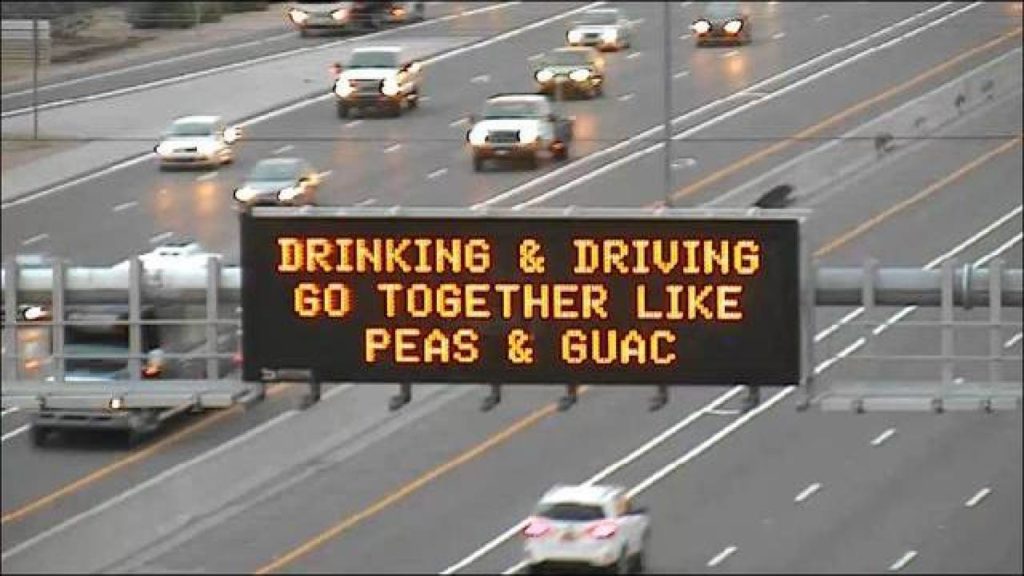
(603, 529)
(237, 358)
(535, 528)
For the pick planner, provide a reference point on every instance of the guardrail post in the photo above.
(135, 319)
(35, 78)
(808, 290)
(57, 300)
(995, 315)
(946, 290)
(867, 297)
(212, 316)
(11, 352)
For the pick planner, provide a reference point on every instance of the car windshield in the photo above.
(567, 58)
(374, 60)
(274, 171)
(190, 129)
(723, 9)
(513, 109)
(599, 17)
(570, 512)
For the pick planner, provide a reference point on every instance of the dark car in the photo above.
(722, 23)
(570, 71)
(279, 182)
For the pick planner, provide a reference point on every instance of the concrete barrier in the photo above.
(809, 173)
(16, 41)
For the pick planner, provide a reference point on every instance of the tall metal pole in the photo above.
(666, 17)
(35, 78)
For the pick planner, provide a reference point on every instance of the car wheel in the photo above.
(342, 111)
(396, 110)
(303, 33)
(531, 162)
(478, 164)
(415, 100)
(40, 434)
(561, 153)
(624, 563)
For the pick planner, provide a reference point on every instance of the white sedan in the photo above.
(586, 527)
(197, 141)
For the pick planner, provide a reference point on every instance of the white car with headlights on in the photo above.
(586, 527)
(379, 78)
(197, 141)
(570, 71)
(279, 182)
(518, 126)
(722, 23)
(603, 28)
(310, 16)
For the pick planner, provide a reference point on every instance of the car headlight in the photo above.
(298, 16)
(701, 26)
(289, 193)
(477, 137)
(207, 147)
(340, 14)
(610, 35)
(164, 148)
(34, 313)
(343, 88)
(528, 134)
(579, 75)
(574, 36)
(733, 26)
(244, 194)
(389, 87)
(544, 75)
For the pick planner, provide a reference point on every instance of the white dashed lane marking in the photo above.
(284, 149)
(681, 74)
(365, 203)
(626, 97)
(481, 79)
(978, 497)
(883, 437)
(821, 18)
(634, 55)
(1009, 343)
(437, 173)
(730, 54)
(778, 36)
(353, 123)
(207, 176)
(721, 556)
(35, 239)
(392, 148)
(161, 237)
(807, 492)
(125, 205)
(899, 564)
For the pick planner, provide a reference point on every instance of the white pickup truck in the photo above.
(519, 126)
(379, 78)
(585, 527)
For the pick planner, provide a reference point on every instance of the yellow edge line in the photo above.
(812, 130)
(381, 504)
(126, 461)
(931, 189)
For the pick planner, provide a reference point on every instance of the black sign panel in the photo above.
(551, 300)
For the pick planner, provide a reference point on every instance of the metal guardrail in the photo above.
(217, 288)
(19, 43)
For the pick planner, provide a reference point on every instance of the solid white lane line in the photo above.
(778, 36)
(240, 64)
(981, 494)
(634, 55)
(284, 149)
(393, 148)
(721, 556)
(147, 65)
(881, 438)
(1013, 340)
(161, 237)
(35, 239)
(1005, 246)
(14, 433)
(741, 421)
(899, 564)
(437, 173)
(207, 176)
(807, 492)
(125, 205)
(598, 477)
(598, 155)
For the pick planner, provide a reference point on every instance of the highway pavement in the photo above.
(434, 484)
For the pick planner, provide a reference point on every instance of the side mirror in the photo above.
(336, 69)
(473, 119)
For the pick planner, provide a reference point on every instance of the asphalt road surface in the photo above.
(346, 487)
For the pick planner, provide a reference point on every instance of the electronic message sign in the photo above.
(617, 297)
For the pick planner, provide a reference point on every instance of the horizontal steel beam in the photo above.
(837, 286)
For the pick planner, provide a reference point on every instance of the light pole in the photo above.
(667, 20)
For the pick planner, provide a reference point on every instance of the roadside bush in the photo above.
(244, 6)
(171, 14)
